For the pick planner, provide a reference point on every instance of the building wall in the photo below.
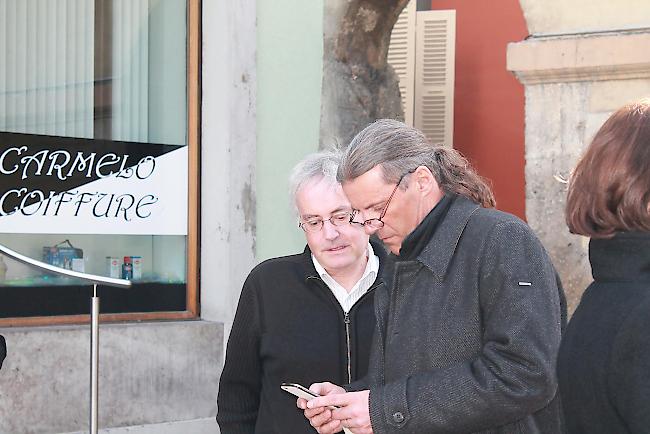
(228, 165)
(228, 149)
(577, 69)
(489, 101)
(564, 17)
(149, 373)
(161, 377)
(289, 75)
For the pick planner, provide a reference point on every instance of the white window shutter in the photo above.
(434, 74)
(401, 56)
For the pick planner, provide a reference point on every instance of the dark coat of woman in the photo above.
(604, 360)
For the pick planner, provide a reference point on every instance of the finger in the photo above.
(316, 387)
(311, 412)
(344, 414)
(331, 427)
(338, 400)
(320, 418)
(333, 389)
(321, 388)
(301, 403)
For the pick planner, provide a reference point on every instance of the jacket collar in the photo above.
(437, 254)
(307, 264)
(625, 257)
(415, 242)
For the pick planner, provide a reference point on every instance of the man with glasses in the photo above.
(304, 317)
(470, 319)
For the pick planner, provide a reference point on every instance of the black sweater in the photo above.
(604, 360)
(288, 327)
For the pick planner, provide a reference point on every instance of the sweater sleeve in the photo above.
(628, 381)
(513, 374)
(238, 399)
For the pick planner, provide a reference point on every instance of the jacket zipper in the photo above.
(346, 319)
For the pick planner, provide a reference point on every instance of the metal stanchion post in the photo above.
(94, 318)
(94, 360)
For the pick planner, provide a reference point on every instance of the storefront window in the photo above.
(94, 153)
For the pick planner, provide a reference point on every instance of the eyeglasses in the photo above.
(316, 224)
(378, 223)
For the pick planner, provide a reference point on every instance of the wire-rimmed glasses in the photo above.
(316, 224)
(378, 223)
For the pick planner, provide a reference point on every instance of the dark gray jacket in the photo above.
(468, 334)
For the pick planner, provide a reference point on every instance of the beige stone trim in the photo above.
(585, 57)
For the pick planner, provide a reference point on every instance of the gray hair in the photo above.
(399, 148)
(320, 165)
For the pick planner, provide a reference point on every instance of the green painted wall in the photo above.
(289, 76)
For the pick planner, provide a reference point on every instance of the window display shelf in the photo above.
(72, 299)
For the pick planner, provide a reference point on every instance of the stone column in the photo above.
(574, 79)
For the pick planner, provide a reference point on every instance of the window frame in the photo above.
(192, 311)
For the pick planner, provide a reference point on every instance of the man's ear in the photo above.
(427, 185)
(424, 180)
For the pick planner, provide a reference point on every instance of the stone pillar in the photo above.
(228, 152)
(573, 81)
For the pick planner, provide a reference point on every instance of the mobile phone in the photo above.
(303, 392)
(299, 391)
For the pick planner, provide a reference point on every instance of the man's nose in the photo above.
(329, 230)
(369, 230)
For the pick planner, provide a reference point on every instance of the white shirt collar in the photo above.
(348, 299)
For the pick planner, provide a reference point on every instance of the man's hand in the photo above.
(353, 412)
(321, 417)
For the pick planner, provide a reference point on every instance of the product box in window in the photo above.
(68, 257)
(137, 267)
(114, 267)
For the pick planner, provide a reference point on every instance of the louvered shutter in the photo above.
(401, 56)
(434, 74)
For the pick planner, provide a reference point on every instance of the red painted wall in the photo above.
(489, 101)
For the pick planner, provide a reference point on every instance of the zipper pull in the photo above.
(346, 320)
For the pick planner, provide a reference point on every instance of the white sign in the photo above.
(149, 198)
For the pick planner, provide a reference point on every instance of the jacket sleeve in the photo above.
(3, 350)
(238, 399)
(629, 382)
(513, 374)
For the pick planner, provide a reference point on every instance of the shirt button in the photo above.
(398, 417)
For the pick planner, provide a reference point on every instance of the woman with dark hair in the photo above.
(604, 359)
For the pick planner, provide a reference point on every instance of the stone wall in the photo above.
(149, 373)
(576, 71)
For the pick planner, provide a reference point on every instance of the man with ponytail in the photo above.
(469, 318)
